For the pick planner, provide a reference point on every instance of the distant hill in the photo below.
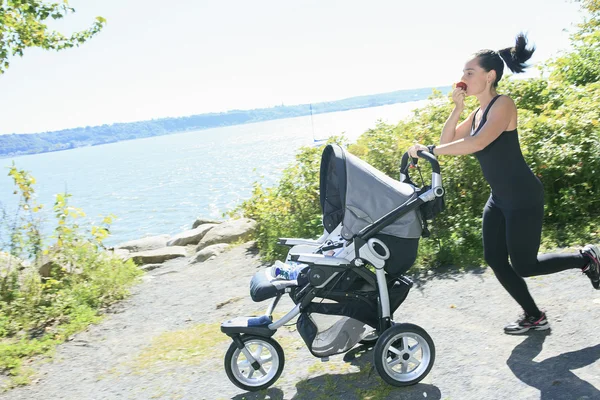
(19, 144)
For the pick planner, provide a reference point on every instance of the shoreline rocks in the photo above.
(204, 221)
(157, 256)
(144, 244)
(205, 241)
(234, 230)
(209, 253)
(190, 237)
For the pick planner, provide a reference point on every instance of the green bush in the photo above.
(37, 312)
(581, 66)
(559, 133)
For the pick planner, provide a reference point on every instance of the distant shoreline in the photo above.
(12, 145)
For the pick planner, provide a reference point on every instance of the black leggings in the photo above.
(517, 233)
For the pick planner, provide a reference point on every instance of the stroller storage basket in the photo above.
(327, 335)
(342, 319)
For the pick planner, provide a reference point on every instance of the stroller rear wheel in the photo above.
(257, 366)
(404, 354)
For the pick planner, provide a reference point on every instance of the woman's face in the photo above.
(475, 77)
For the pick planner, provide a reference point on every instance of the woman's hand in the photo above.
(412, 150)
(458, 97)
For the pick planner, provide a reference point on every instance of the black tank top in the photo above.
(512, 182)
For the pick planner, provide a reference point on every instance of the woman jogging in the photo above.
(513, 214)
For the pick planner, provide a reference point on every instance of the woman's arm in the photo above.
(451, 132)
(498, 118)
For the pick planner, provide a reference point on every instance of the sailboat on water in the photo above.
(316, 142)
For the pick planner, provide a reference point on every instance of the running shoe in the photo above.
(527, 323)
(592, 270)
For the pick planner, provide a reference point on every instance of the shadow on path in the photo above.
(364, 383)
(553, 376)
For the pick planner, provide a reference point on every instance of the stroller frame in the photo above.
(356, 253)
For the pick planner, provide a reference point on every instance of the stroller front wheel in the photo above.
(404, 355)
(257, 366)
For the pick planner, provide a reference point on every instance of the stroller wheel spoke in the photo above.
(414, 361)
(266, 360)
(258, 352)
(244, 364)
(404, 367)
(395, 362)
(415, 348)
(395, 350)
(405, 343)
(251, 373)
(250, 358)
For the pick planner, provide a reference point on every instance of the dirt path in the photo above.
(164, 343)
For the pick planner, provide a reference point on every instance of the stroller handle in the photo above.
(435, 165)
(436, 176)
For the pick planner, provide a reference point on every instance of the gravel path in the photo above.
(178, 308)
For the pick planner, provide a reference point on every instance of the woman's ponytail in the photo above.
(515, 57)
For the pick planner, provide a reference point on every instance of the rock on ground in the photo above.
(209, 252)
(157, 256)
(202, 221)
(192, 236)
(145, 244)
(234, 230)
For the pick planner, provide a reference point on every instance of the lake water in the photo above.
(161, 184)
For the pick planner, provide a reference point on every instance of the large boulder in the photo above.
(51, 260)
(121, 253)
(24, 269)
(234, 230)
(145, 244)
(45, 264)
(192, 236)
(203, 221)
(208, 253)
(157, 256)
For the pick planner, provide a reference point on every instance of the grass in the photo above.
(15, 351)
(45, 313)
(188, 346)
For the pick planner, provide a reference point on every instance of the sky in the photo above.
(157, 59)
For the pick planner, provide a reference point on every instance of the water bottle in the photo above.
(280, 270)
(281, 273)
(287, 271)
(293, 273)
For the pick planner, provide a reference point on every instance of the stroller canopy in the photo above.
(356, 194)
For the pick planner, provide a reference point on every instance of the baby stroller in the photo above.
(351, 279)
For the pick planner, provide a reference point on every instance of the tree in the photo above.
(22, 26)
(582, 65)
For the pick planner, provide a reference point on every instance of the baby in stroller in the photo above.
(349, 281)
